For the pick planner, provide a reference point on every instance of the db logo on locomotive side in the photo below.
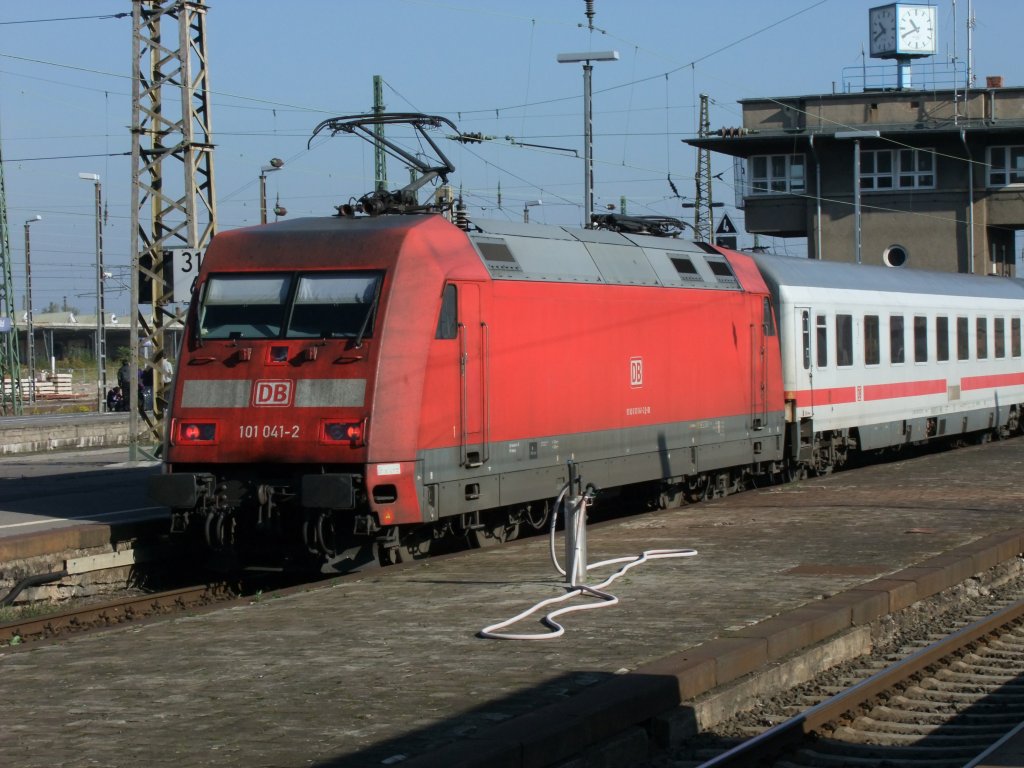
(636, 372)
(272, 392)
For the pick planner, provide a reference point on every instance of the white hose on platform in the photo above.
(606, 599)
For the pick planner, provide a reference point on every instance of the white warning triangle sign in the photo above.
(725, 226)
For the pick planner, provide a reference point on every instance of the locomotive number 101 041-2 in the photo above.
(268, 431)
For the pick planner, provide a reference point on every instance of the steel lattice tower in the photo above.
(10, 365)
(173, 202)
(703, 220)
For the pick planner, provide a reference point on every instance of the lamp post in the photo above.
(588, 136)
(28, 299)
(856, 136)
(275, 164)
(526, 209)
(101, 331)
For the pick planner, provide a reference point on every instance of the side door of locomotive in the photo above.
(473, 376)
(761, 327)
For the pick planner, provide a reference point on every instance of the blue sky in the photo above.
(278, 68)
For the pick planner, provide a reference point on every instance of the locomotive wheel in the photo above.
(699, 487)
(388, 555)
(418, 542)
(494, 529)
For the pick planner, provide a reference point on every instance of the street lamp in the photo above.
(276, 163)
(28, 299)
(526, 209)
(101, 331)
(856, 136)
(588, 136)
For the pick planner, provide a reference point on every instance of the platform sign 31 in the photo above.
(185, 263)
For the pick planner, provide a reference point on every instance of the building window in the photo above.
(776, 174)
(895, 256)
(885, 169)
(1005, 166)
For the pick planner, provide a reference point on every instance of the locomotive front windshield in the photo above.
(320, 305)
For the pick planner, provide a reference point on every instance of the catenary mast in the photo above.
(173, 202)
(10, 366)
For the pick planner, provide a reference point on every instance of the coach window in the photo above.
(920, 339)
(872, 353)
(448, 321)
(896, 339)
(981, 333)
(821, 339)
(999, 331)
(963, 342)
(942, 339)
(1015, 336)
(844, 340)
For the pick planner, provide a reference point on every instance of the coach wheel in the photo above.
(671, 497)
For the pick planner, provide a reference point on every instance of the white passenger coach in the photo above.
(875, 357)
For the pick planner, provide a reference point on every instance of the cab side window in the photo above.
(448, 321)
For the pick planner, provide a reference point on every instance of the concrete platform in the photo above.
(58, 432)
(386, 668)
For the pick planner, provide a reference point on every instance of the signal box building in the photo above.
(940, 174)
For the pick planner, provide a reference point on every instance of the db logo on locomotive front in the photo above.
(272, 392)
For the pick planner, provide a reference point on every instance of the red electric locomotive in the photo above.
(351, 386)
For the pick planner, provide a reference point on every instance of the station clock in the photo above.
(901, 31)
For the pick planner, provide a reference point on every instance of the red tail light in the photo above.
(352, 433)
(196, 433)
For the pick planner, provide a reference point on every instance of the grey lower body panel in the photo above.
(874, 437)
(520, 471)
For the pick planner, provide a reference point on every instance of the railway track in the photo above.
(85, 618)
(941, 706)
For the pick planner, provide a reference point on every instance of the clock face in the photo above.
(916, 29)
(882, 30)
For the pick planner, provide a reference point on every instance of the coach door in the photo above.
(803, 386)
(473, 351)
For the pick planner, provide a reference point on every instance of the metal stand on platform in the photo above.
(575, 505)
